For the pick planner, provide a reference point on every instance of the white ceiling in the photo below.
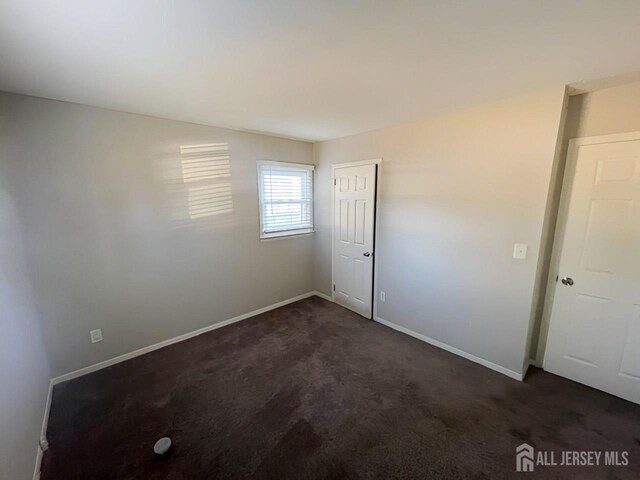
(310, 69)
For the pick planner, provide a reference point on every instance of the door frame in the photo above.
(561, 224)
(373, 161)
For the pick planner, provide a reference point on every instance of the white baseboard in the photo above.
(449, 348)
(45, 420)
(323, 296)
(36, 471)
(42, 444)
(180, 338)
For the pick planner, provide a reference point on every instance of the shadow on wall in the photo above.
(199, 186)
(24, 368)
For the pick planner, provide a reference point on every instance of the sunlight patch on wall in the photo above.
(207, 200)
(206, 173)
(199, 186)
(205, 162)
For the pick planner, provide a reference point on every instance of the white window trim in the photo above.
(286, 233)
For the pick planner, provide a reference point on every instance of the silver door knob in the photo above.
(567, 281)
(366, 254)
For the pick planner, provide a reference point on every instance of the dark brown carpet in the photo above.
(313, 391)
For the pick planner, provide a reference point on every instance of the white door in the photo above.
(594, 334)
(354, 216)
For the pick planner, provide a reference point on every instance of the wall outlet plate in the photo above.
(520, 251)
(96, 335)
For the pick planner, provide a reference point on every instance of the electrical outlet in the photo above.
(96, 335)
(383, 297)
(520, 251)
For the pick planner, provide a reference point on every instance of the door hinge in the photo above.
(335, 182)
(334, 287)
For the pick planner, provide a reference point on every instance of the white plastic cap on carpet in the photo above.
(162, 446)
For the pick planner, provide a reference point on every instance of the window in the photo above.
(286, 198)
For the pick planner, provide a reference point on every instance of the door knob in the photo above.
(366, 254)
(567, 281)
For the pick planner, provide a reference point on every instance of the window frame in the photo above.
(292, 232)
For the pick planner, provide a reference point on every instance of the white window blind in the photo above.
(286, 198)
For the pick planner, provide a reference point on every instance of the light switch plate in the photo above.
(96, 335)
(383, 297)
(520, 251)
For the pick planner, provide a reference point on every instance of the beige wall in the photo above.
(457, 192)
(97, 193)
(24, 371)
(612, 110)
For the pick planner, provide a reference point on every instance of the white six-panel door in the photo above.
(354, 217)
(594, 333)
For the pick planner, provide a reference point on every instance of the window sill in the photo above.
(268, 237)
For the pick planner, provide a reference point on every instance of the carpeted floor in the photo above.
(313, 391)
